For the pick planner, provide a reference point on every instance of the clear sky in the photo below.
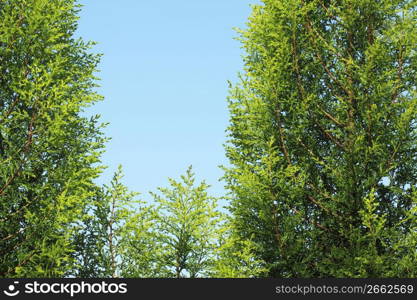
(164, 75)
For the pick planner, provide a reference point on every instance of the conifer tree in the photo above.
(323, 138)
(140, 248)
(115, 238)
(187, 228)
(49, 151)
(114, 213)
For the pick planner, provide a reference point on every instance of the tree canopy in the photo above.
(322, 180)
(49, 152)
(323, 138)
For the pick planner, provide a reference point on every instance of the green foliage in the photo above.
(140, 247)
(236, 258)
(104, 237)
(322, 146)
(115, 213)
(323, 137)
(176, 238)
(49, 152)
(131, 243)
(187, 225)
(90, 240)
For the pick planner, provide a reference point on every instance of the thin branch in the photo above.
(330, 117)
(330, 136)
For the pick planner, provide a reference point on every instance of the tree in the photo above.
(140, 255)
(323, 138)
(114, 214)
(90, 240)
(187, 225)
(177, 238)
(115, 226)
(49, 151)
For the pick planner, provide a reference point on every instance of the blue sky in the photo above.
(164, 77)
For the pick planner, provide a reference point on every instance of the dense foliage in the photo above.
(323, 138)
(48, 151)
(322, 147)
